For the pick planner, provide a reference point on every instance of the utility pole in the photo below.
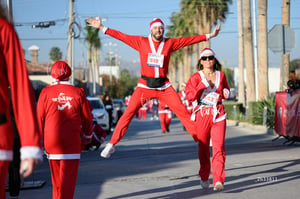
(9, 11)
(285, 58)
(71, 40)
(255, 48)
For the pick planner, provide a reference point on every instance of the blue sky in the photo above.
(131, 17)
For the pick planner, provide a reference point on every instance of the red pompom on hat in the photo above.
(61, 70)
(207, 51)
(156, 22)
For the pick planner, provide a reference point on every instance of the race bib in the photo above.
(155, 60)
(210, 98)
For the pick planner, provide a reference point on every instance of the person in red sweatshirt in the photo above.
(63, 112)
(13, 74)
(165, 117)
(155, 52)
(205, 90)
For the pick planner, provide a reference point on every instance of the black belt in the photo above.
(153, 82)
(200, 103)
(3, 118)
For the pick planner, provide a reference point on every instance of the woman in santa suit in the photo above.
(205, 90)
(63, 112)
(165, 116)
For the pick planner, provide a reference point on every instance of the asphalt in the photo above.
(148, 164)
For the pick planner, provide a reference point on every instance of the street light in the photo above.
(110, 44)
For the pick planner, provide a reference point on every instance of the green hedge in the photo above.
(257, 111)
(234, 110)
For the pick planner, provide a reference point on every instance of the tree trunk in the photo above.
(263, 83)
(286, 57)
(241, 85)
(188, 63)
(249, 52)
(185, 64)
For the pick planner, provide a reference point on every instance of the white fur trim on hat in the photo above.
(207, 51)
(156, 22)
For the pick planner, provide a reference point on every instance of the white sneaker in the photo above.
(204, 184)
(108, 150)
(218, 186)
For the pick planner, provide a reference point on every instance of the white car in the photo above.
(99, 112)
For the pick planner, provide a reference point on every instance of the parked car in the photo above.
(119, 108)
(99, 113)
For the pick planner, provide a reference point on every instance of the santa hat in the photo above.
(156, 22)
(207, 51)
(61, 70)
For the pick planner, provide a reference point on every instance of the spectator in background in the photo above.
(13, 74)
(205, 90)
(64, 115)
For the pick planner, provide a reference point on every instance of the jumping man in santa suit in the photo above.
(155, 51)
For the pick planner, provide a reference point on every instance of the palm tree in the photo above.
(248, 51)
(94, 45)
(55, 54)
(241, 93)
(177, 29)
(263, 85)
(203, 15)
(196, 17)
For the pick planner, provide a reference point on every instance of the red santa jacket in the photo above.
(197, 85)
(64, 113)
(13, 74)
(142, 45)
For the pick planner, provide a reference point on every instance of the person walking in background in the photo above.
(184, 101)
(64, 114)
(155, 52)
(205, 90)
(143, 112)
(13, 75)
(154, 109)
(165, 116)
(108, 104)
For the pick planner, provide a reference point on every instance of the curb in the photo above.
(262, 128)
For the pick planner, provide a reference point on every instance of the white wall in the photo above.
(110, 70)
(274, 78)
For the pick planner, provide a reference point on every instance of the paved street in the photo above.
(148, 165)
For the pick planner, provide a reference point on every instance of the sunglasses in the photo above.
(209, 57)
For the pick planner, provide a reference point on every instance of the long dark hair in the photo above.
(217, 66)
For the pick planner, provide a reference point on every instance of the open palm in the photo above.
(94, 22)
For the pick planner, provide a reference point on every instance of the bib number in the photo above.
(155, 60)
(210, 98)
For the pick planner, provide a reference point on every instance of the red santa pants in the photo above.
(216, 132)
(142, 114)
(3, 174)
(63, 175)
(140, 97)
(165, 120)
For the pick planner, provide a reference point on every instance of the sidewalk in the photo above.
(148, 165)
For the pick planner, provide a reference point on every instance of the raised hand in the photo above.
(216, 31)
(94, 22)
